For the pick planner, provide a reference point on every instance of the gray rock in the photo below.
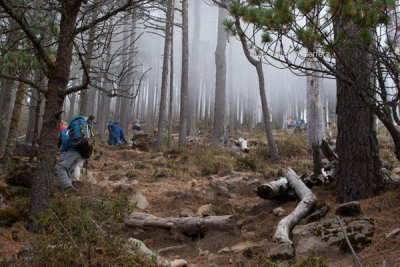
(349, 209)
(115, 177)
(282, 252)
(326, 238)
(243, 246)
(185, 212)
(278, 211)
(225, 250)
(178, 263)
(315, 216)
(205, 210)
(139, 200)
(124, 188)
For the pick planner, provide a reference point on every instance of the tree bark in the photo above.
(308, 200)
(359, 173)
(164, 80)
(185, 78)
(218, 134)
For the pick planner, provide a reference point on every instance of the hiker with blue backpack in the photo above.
(115, 134)
(76, 147)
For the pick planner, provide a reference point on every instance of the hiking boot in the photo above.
(78, 184)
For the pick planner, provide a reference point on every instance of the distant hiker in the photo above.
(76, 147)
(135, 125)
(116, 134)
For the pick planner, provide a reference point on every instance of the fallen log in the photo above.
(243, 145)
(186, 225)
(304, 207)
(274, 189)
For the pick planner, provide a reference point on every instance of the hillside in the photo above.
(88, 227)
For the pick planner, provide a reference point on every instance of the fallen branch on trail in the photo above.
(186, 225)
(274, 189)
(304, 207)
(243, 145)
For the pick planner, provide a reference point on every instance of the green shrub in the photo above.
(76, 231)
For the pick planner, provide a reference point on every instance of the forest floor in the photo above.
(179, 182)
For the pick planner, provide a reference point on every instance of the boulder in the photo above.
(248, 245)
(315, 216)
(138, 200)
(282, 252)
(8, 216)
(205, 210)
(326, 238)
(21, 175)
(349, 209)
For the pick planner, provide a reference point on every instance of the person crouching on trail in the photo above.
(116, 134)
(76, 148)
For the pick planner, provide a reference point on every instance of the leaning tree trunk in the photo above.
(58, 81)
(273, 150)
(183, 118)
(164, 80)
(218, 134)
(16, 114)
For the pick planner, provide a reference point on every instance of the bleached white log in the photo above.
(187, 225)
(273, 189)
(304, 207)
(393, 233)
(243, 145)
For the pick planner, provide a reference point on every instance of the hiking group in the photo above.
(76, 146)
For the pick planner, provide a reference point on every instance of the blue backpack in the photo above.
(79, 136)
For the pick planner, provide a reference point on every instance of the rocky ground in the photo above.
(203, 181)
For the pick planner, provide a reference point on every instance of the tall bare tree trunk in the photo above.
(194, 81)
(164, 80)
(185, 75)
(106, 99)
(16, 114)
(219, 134)
(84, 108)
(171, 86)
(273, 150)
(7, 87)
(33, 100)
